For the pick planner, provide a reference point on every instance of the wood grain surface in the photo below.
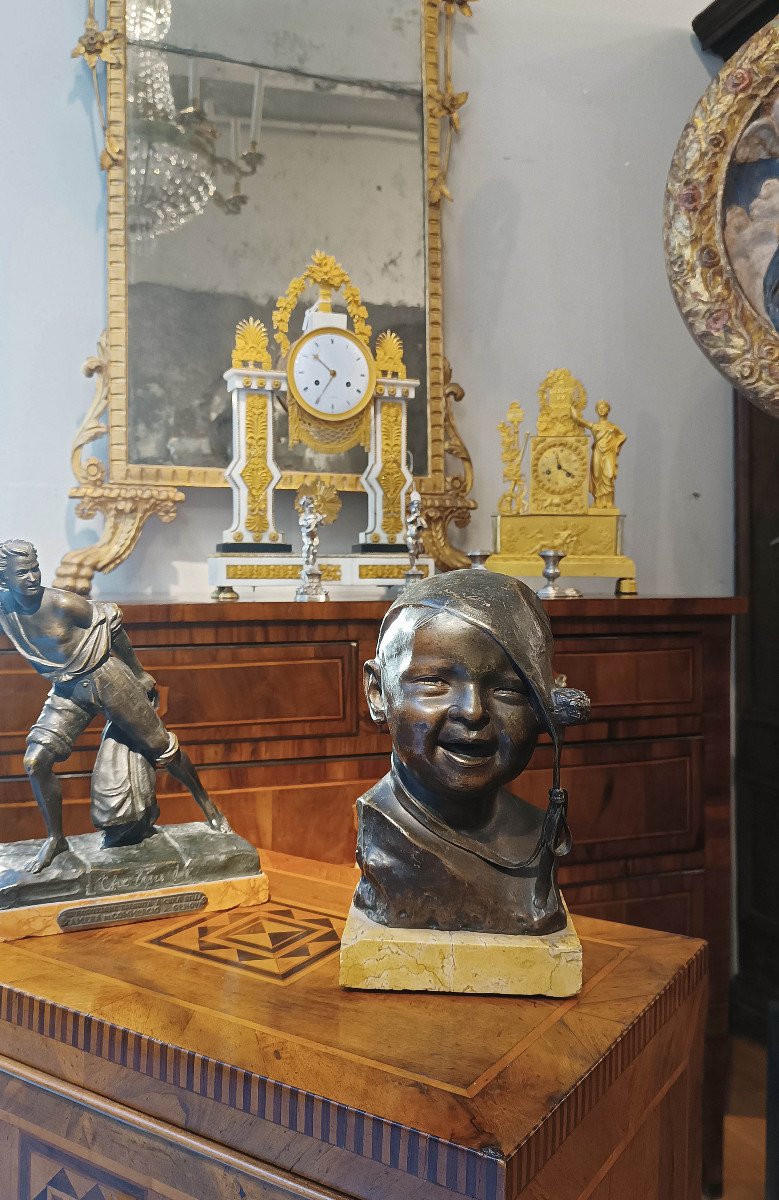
(232, 1028)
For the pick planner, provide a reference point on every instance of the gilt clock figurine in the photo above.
(567, 503)
(340, 389)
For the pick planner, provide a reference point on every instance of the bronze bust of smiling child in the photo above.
(463, 679)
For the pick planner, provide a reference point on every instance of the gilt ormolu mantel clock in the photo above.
(338, 392)
(570, 505)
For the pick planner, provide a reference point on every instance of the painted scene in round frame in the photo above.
(750, 206)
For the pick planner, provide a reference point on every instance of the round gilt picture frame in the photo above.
(721, 221)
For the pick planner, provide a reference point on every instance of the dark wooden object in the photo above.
(725, 25)
(216, 1057)
(757, 729)
(268, 700)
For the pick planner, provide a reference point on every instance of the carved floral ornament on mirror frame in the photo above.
(127, 494)
(721, 225)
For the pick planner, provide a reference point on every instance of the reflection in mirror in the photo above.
(257, 132)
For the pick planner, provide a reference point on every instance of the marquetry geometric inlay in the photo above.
(275, 941)
(294, 947)
(47, 1173)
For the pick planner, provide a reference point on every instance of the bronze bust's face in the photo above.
(459, 714)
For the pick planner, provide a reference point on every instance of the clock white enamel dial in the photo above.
(331, 373)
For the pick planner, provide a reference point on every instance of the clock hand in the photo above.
(327, 385)
(324, 364)
(560, 467)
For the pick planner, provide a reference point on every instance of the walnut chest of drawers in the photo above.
(268, 700)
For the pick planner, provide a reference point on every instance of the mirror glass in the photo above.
(259, 131)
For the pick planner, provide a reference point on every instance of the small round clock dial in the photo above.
(331, 373)
(561, 468)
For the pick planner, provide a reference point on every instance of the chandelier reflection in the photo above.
(171, 156)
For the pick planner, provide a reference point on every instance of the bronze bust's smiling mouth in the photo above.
(469, 750)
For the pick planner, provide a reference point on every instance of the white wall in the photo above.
(52, 281)
(553, 258)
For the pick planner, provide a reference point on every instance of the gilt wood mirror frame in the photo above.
(141, 477)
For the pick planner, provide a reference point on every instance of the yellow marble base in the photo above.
(41, 920)
(378, 958)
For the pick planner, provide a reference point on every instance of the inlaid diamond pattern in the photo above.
(63, 1187)
(276, 941)
(48, 1173)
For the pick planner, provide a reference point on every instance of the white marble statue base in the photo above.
(380, 958)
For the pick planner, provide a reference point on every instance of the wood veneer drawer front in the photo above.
(626, 798)
(220, 693)
(237, 692)
(57, 1140)
(673, 903)
(634, 676)
(22, 693)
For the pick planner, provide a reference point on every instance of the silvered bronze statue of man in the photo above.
(82, 648)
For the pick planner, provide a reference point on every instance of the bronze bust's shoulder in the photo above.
(468, 884)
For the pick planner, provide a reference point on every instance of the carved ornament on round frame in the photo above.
(734, 332)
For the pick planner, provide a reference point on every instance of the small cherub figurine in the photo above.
(82, 648)
(463, 679)
(607, 441)
(415, 527)
(309, 519)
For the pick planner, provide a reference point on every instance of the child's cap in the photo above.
(507, 610)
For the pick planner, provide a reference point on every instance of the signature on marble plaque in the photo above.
(104, 883)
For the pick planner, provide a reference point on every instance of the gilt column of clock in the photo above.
(338, 394)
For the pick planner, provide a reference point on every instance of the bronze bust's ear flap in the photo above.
(371, 681)
(571, 707)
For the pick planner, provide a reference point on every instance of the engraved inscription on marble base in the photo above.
(93, 915)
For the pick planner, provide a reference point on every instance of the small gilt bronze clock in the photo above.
(571, 460)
